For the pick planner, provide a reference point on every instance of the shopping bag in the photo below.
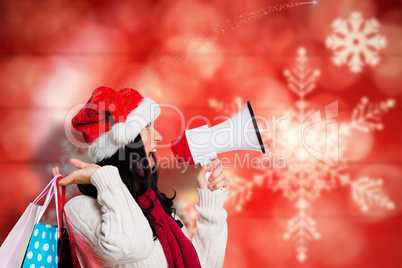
(12, 251)
(67, 255)
(42, 249)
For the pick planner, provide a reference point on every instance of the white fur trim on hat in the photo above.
(125, 132)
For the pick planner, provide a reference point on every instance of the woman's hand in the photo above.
(217, 178)
(79, 176)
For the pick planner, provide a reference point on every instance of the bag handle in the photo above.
(62, 201)
(46, 190)
(56, 199)
(49, 191)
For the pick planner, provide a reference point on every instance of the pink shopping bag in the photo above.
(13, 249)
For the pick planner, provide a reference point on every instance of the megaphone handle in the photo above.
(207, 177)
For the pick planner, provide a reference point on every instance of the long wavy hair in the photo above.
(136, 173)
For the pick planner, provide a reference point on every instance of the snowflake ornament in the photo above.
(355, 39)
(315, 159)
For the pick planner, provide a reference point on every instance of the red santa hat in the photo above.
(111, 119)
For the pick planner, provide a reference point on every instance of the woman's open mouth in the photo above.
(150, 158)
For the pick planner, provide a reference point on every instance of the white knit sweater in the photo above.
(114, 229)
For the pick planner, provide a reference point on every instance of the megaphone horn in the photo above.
(201, 145)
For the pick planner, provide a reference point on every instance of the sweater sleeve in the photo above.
(211, 235)
(114, 222)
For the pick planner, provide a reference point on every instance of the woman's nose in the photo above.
(158, 136)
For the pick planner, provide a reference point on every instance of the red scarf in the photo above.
(178, 249)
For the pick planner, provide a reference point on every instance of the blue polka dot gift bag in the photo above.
(42, 251)
(42, 248)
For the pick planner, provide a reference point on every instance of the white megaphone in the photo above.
(201, 145)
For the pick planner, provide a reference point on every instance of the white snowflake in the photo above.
(306, 176)
(355, 38)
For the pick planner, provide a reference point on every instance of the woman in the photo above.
(122, 220)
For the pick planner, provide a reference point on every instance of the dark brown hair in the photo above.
(136, 173)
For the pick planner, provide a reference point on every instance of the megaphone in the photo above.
(202, 144)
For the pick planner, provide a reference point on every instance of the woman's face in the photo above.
(150, 137)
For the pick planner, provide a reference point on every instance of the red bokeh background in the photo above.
(194, 54)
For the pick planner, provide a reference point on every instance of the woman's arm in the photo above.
(114, 223)
(211, 234)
